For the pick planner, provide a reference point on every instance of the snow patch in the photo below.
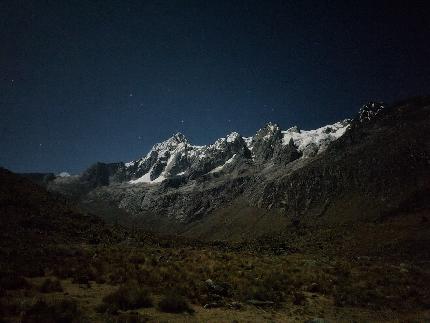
(147, 178)
(220, 168)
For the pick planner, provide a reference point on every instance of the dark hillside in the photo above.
(30, 214)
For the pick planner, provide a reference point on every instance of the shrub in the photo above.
(8, 307)
(128, 298)
(349, 295)
(273, 287)
(49, 286)
(260, 293)
(131, 317)
(299, 298)
(63, 271)
(107, 308)
(81, 279)
(65, 311)
(137, 259)
(34, 271)
(343, 269)
(118, 276)
(12, 282)
(175, 303)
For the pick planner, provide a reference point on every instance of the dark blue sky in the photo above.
(87, 81)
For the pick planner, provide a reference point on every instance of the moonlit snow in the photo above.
(168, 152)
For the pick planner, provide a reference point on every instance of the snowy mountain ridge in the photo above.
(177, 157)
(230, 185)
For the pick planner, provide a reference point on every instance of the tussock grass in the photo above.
(13, 281)
(127, 297)
(65, 311)
(136, 277)
(175, 303)
(49, 286)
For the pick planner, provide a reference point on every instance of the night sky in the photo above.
(87, 81)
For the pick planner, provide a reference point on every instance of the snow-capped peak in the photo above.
(267, 132)
(270, 128)
(310, 142)
(180, 137)
(158, 161)
(170, 143)
(233, 137)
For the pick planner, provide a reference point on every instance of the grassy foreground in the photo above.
(146, 281)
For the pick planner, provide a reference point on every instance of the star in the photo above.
(182, 121)
(131, 94)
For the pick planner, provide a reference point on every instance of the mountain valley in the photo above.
(326, 225)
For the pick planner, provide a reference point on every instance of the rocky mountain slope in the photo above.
(363, 168)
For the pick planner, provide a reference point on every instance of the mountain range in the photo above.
(362, 168)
